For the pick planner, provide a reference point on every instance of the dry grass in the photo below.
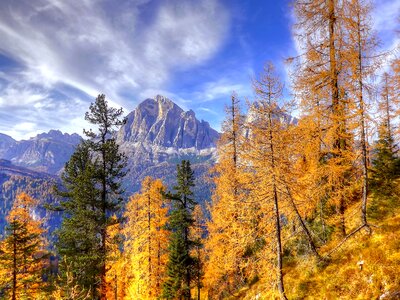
(341, 277)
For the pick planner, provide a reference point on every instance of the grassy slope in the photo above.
(341, 277)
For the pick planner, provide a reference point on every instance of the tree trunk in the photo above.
(363, 135)
(103, 283)
(303, 225)
(281, 286)
(14, 282)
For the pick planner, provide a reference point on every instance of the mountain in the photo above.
(47, 152)
(157, 135)
(5, 143)
(161, 123)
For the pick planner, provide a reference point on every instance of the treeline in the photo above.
(283, 189)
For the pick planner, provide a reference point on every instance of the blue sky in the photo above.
(57, 55)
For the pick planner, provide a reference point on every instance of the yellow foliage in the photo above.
(146, 242)
(22, 252)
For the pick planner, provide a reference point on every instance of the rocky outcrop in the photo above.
(47, 152)
(158, 134)
(160, 122)
(5, 143)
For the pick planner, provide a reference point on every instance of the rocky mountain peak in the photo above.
(5, 143)
(159, 121)
(58, 136)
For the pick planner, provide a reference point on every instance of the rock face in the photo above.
(160, 122)
(5, 143)
(158, 134)
(47, 152)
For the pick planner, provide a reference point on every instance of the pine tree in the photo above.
(92, 179)
(22, 252)
(198, 231)
(386, 165)
(181, 265)
(110, 164)
(78, 240)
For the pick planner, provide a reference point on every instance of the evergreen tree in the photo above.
(78, 239)
(181, 266)
(22, 252)
(386, 164)
(92, 179)
(110, 164)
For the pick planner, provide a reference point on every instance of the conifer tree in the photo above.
(268, 157)
(78, 240)
(92, 179)
(231, 230)
(319, 82)
(146, 241)
(386, 164)
(197, 234)
(110, 164)
(22, 252)
(181, 265)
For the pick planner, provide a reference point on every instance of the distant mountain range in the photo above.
(157, 135)
(47, 152)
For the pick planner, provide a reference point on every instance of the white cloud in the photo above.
(223, 89)
(101, 47)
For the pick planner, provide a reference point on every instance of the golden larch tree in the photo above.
(146, 241)
(22, 252)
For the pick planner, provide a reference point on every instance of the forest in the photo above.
(301, 209)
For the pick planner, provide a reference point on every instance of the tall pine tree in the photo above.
(181, 266)
(92, 179)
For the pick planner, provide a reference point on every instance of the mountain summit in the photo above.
(160, 122)
(158, 134)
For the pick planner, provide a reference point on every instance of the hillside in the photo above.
(15, 179)
(341, 276)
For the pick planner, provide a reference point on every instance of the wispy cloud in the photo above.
(91, 46)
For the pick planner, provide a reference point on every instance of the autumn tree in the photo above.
(231, 233)
(22, 252)
(146, 241)
(360, 55)
(181, 265)
(267, 155)
(321, 71)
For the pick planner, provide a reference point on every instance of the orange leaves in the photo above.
(146, 241)
(22, 252)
